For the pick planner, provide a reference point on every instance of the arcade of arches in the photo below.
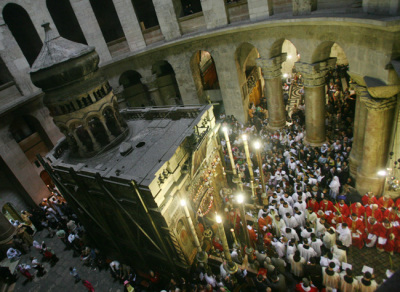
(185, 52)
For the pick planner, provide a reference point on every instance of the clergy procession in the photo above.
(304, 213)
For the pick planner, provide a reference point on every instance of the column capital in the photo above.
(314, 74)
(379, 89)
(378, 104)
(150, 81)
(271, 68)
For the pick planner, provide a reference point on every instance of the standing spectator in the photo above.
(73, 272)
(88, 285)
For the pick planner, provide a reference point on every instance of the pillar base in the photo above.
(231, 268)
(314, 143)
(276, 127)
(373, 184)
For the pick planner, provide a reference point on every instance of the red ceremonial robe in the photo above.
(385, 203)
(366, 200)
(358, 211)
(344, 209)
(357, 232)
(386, 236)
(377, 214)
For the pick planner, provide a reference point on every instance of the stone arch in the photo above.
(205, 77)
(145, 13)
(97, 128)
(166, 82)
(108, 20)
(322, 51)
(23, 30)
(65, 20)
(249, 74)
(30, 136)
(135, 92)
(82, 134)
(111, 121)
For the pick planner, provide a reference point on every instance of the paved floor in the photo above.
(58, 278)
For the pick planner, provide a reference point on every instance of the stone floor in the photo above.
(57, 277)
(370, 257)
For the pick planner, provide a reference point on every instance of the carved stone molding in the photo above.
(271, 68)
(314, 74)
(378, 104)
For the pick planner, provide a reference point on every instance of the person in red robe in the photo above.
(313, 204)
(392, 215)
(356, 226)
(262, 222)
(337, 219)
(342, 208)
(306, 286)
(371, 231)
(369, 199)
(386, 237)
(252, 234)
(358, 209)
(374, 211)
(268, 239)
(385, 202)
(234, 220)
(398, 203)
(326, 205)
(88, 285)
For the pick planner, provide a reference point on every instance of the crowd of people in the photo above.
(310, 213)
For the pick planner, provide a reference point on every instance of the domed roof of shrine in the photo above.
(62, 61)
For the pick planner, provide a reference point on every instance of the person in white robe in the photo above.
(291, 221)
(299, 216)
(344, 234)
(306, 251)
(329, 238)
(334, 187)
(330, 278)
(280, 248)
(297, 263)
(311, 217)
(320, 227)
(316, 244)
(278, 224)
(306, 232)
(366, 283)
(347, 282)
(285, 208)
(290, 234)
(339, 253)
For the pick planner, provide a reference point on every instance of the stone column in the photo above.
(215, 13)
(152, 87)
(103, 121)
(231, 91)
(304, 7)
(130, 25)
(90, 28)
(260, 9)
(184, 78)
(315, 99)
(378, 128)
(15, 61)
(81, 146)
(167, 19)
(7, 230)
(358, 132)
(96, 145)
(271, 69)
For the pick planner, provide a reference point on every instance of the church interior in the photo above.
(200, 145)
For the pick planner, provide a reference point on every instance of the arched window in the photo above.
(108, 20)
(23, 30)
(145, 13)
(65, 20)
